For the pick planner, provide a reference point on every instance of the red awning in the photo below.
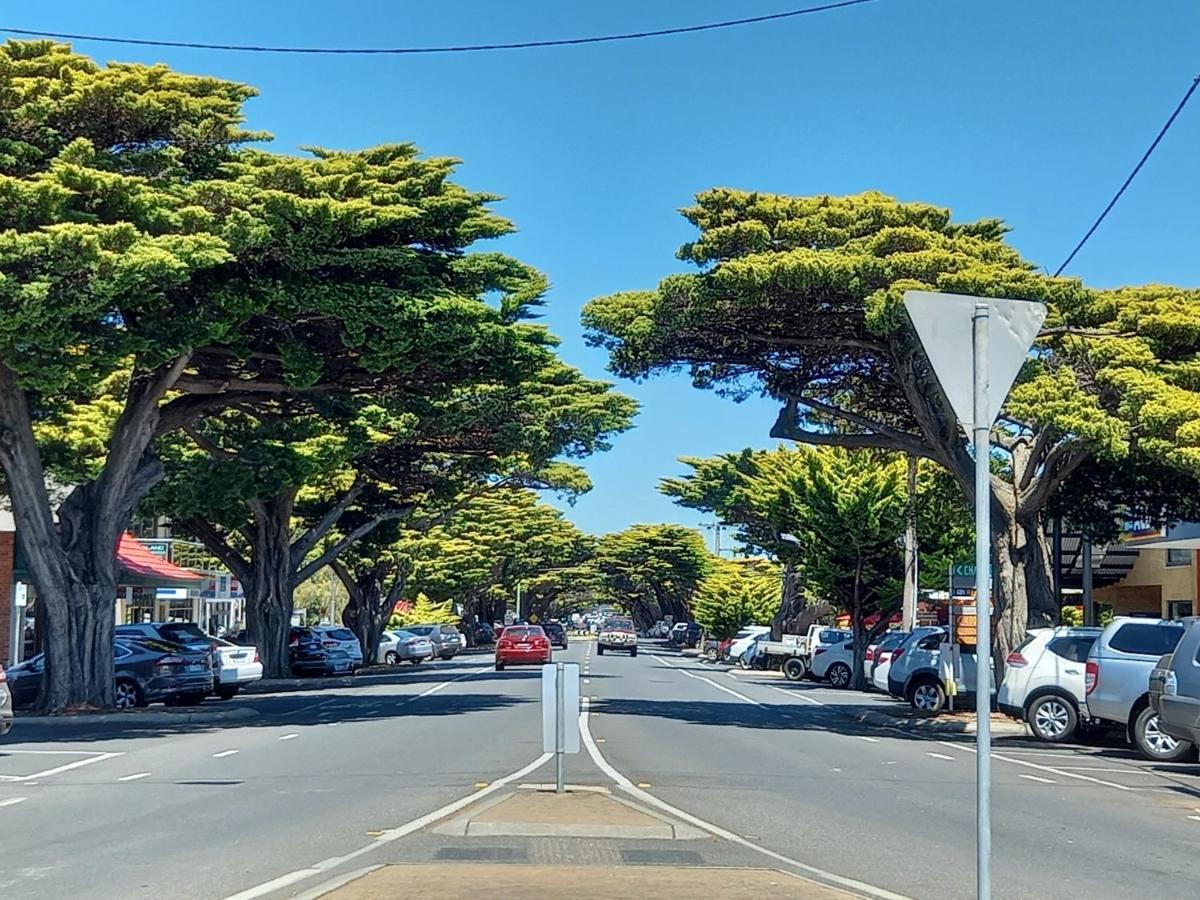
(141, 567)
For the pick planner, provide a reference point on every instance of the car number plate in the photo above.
(522, 646)
(194, 667)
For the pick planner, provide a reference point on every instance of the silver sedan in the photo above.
(399, 646)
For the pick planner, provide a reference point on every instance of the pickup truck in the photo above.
(795, 652)
(617, 634)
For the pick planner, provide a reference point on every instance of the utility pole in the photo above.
(716, 528)
(332, 596)
(1089, 609)
(908, 613)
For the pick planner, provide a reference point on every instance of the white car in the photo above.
(745, 638)
(342, 638)
(236, 666)
(398, 646)
(833, 657)
(877, 668)
(1044, 681)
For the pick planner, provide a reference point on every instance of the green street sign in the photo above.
(963, 570)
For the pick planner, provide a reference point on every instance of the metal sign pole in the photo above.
(981, 426)
(560, 730)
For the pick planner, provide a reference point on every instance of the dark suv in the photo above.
(556, 633)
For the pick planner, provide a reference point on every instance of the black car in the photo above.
(186, 634)
(147, 670)
(309, 655)
(483, 634)
(556, 633)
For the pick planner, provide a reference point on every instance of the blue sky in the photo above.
(1029, 111)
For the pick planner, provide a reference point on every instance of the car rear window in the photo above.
(341, 634)
(421, 629)
(1072, 647)
(522, 631)
(832, 637)
(184, 631)
(1146, 639)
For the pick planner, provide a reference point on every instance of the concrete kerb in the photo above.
(148, 718)
(933, 725)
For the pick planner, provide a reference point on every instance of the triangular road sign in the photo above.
(944, 325)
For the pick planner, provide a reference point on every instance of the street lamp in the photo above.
(976, 387)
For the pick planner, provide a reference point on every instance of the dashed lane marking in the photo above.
(66, 767)
(134, 777)
(288, 737)
(13, 801)
(1051, 770)
(719, 687)
(941, 756)
(224, 753)
(869, 740)
(1038, 778)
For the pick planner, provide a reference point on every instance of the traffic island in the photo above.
(524, 882)
(579, 812)
(944, 723)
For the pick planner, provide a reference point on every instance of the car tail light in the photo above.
(1091, 677)
(168, 661)
(896, 654)
(1015, 660)
(329, 643)
(870, 654)
(3, 677)
(257, 658)
(819, 651)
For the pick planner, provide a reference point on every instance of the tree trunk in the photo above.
(270, 586)
(791, 604)
(1025, 595)
(369, 605)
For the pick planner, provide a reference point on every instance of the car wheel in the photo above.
(928, 697)
(599, 650)
(794, 668)
(447, 656)
(839, 675)
(1052, 719)
(499, 666)
(416, 660)
(391, 658)
(633, 651)
(711, 654)
(227, 693)
(127, 695)
(1154, 743)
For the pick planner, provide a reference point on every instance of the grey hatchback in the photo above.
(1175, 687)
(446, 643)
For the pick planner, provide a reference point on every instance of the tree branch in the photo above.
(205, 444)
(785, 428)
(340, 547)
(307, 541)
(216, 544)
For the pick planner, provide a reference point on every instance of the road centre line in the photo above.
(1037, 778)
(941, 756)
(79, 763)
(224, 753)
(719, 687)
(630, 788)
(390, 835)
(288, 737)
(13, 801)
(869, 740)
(134, 777)
(1051, 769)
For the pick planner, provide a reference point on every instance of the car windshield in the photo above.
(356, 333)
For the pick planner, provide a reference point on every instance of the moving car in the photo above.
(340, 637)
(484, 634)
(6, 703)
(308, 654)
(400, 646)
(1044, 681)
(617, 634)
(522, 645)
(146, 670)
(1175, 688)
(444, 637)
(833, 657)
(1117, 682)
(236, 666)
(557, 634)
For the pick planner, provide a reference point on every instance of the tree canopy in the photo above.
(737, 593)
(652, 571)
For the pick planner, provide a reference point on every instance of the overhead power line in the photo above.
(461, 48)
(1132, 175)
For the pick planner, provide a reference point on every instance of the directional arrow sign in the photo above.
(943, 323)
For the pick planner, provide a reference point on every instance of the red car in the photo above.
(522, 645)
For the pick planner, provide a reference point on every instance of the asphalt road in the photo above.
(321, 782)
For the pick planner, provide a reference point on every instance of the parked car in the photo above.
(236, 666)
(617, 634)
(557, 634)
(403, 646)
(186, 634)
(1175, 688)
(341, 638)
(522, 645)
(833, 657)
(444, 637)
(743, 640)
(879, 655)
(1117, 682)
(310, 654)
(915, 673)
(146, 670)
(484, 634)
(685, 634)
(6, 703)
(1044, 681)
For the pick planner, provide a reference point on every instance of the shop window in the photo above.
(1179, 557)
(1178, 609)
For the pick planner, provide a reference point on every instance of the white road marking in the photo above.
(1050, 769)
(798, 695)
(99, 757)
(630, 788)
(719, 687)
(288, 737)
(13, 801)
(587, 681)
(1128, 770)
(1193, 818)
(941, 756)
(731, 675)
(387, 837)
(869, 740)
(1037, 778)
(134, 777)
(224, 753)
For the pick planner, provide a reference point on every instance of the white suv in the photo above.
(1044, 681)
(833, 657)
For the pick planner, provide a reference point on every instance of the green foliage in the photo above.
(652, 570)
(314, 595)
(737, 593)
(426, 612)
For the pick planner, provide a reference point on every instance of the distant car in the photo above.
(6, 703)
(484, 634)
(617, 634)
(833, 658)
(744, 638)
(1175, 687)
(236, 666)
(186, 634)
(685, 634)
(444, 637)
(1044, 681)
(1117, 682)
(403, 646)
(146, 670)
(522, 645)
(341, 638)
(884, 654)
(557, 634)
(310, 654)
